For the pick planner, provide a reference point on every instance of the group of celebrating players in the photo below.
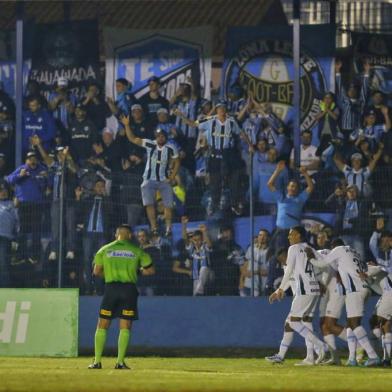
(332, 278)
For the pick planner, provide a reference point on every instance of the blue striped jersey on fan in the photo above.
(220, 136)
(189, 109)
(158, 160)
(352, 109)
(200, 258)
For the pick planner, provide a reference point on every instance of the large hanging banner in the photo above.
(260, 60)
(66, 50)
(172, 55)
(377, 49)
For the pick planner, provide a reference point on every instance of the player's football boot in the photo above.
(305, 362)
(94, 365)
(276, 358)
(371, 362)
(386, 363)
(321, 355)
(333, 361)
(352, 363)
(121, 366)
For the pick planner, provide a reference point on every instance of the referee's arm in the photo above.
(147, 267)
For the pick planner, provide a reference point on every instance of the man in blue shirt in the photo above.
(37, 121)
(30, 181)
(289, 204)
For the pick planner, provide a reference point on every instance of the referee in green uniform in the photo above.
(119, 263)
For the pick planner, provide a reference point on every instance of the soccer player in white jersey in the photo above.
(382, 283)
(347, 262)
(288, 333)
(331, 302)
(307, 293)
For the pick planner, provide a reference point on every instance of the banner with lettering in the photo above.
(377, 49)
(260, 60)
(66, 50)
(171, 54)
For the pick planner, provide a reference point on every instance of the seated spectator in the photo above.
(228, 257)
(262, 172)
(153, 100)
(30, 181)
(113, 150)
(289, 204)
(125, 99)
(358, 175)
(94, 214)
(199, 248)
(96, 107)
(8, 230)
(146, 284)
(370, 131)
(275, 270)
(82, 135)
(378, 106)
(62, 103)
(37, 121)
(308, 157)
(328, 117)
(260, 268)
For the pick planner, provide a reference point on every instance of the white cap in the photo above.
(162, 110)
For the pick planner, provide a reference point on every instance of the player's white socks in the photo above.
(308, 342)
(343, 335)
(363, 340)
(285, 343)
(330, 340)
(301, 329)
(387, 345)
(375, 336)
(352, 344)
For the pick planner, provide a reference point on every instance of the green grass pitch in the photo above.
(156, 374)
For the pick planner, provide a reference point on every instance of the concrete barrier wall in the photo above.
(182, 322)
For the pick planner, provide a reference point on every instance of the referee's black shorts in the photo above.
(119, 301)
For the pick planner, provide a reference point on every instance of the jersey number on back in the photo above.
(309, 268)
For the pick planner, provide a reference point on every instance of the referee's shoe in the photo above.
(122, 366)
(95, 365)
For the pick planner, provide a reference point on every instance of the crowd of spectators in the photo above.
(184, 160)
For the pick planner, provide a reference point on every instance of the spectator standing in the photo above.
(82, 135)
(62, 103)
(30, 181)
(380, 245)
(125, 99)
(275, 270)
(7, 129)
(8, 230)
(228, 257)
(377, 105)
(199, 248)
(37, 121)
(6, 100)
(97, 109)
(261, 255)
(62, 165)
(94, 213)
(289, 205)
(153, 100)
(160, 155)
(351, 103)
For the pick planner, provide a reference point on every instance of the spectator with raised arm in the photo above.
(125, 98)
(290, 203)
(351, 102)
(358, 175)
(199, 248)
(158, 174)
(30, 181)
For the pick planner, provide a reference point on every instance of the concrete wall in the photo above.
(182, 322)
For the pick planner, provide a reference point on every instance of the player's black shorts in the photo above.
(119, 301)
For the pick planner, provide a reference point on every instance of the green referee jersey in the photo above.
(121, 261)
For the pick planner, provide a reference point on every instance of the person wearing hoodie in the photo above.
(37, 121)
(8, 228)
